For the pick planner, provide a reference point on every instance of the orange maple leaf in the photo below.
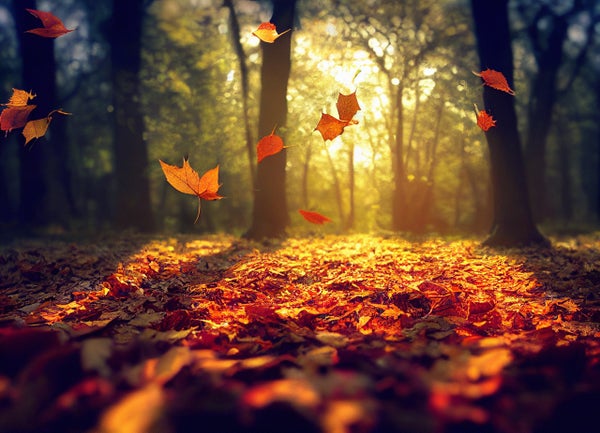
(53, 27)
(330, 127)
(269, 145)
(313, 217)
(495, 80)
(484, 120)
(267, 32)
(186, 180)
(347, 106)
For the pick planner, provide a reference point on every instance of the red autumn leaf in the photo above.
(15, 117)
(495, 80)
(269, 145)
(484, 120)
(19, 98)
(347, 106)
(186, 180)
(330, 127)
(313, 217)
(267, 32)
(53, 27)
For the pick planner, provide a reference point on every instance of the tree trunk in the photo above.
(133, 205)
(513, 222)
(241, 55)
(44, 178)
(542, 100)
(270, 212)
(399, 197)
(349, 223)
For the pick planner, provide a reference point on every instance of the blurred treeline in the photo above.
(411, 63)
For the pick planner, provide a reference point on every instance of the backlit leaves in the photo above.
(329, 126)
(186, 180)
(52, 26)
(16, 116)
(267, 32)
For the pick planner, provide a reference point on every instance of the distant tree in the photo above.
(133, 205)
(270, 212)
(513, 223)
(547, 28)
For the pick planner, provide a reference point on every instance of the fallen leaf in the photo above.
(347, 106)
(135, 413)
(496, 80)
(186, 180)
(267, 32)
(484, 120)
(313, 217)
(269, 145)
(19, 98)
(15, 117)
(53, 27)
(330, 127)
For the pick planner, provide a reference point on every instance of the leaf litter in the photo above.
(325, 334)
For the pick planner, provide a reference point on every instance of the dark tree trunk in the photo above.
(44, 174)
(542, 100)
(133, 206)
(513, 223)
(270, 212)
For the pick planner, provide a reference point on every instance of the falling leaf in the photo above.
(330, 127)
(186, 180)
(495, 80)
(267, 32)
(38, 128)
(269, 145)
(347, 106)
(484, 120)
(313, 217)
(15, 117)
(19, 98)
(53, 27)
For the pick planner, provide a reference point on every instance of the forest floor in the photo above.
(332, 334)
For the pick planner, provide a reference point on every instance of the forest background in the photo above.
(410, 62)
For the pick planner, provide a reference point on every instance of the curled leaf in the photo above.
(19, 98)
(52, 26)
(484, 120)
(38, 128)
(313, 217)
(330, 127)
(267, 32)
(495, 80)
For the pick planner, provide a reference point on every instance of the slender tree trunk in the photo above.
(305, 171)
(513, 222)
(133, 205)
(349, 224)
(270, 212)
(336, 186)
(399, 197)
(241, 55)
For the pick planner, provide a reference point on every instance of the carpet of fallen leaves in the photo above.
(332, 334)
